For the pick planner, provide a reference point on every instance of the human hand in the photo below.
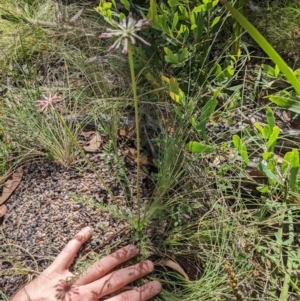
(57, 283)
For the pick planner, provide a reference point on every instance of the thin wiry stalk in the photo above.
(137, 126)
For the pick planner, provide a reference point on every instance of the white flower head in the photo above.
(127, 32)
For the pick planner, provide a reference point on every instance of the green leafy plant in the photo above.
(283, 180)
(263, 43)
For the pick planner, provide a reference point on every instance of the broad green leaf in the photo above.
(165, 79)
(273, 138)
(220, 75)
(170, 56)
(286, 102)
(162, 22)
(153, 16)
(174, 86)
(230, 71)
(262, 168)
(262, 189)
(259, 127)
(285, 165)
(183, 54)
(173, 3)
(268, 156)
(199, 148)
(263, 43)
(206, 112)
(182, 29)
(270, 117)
(270, 70)
(267, 131)
(199, 8)
(215, 21)
(177, 98)
(126, 3)
(184, 12)
(175, 21)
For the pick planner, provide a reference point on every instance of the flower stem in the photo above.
(137, 128)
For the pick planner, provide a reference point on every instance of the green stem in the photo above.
(90, 164)
(289, 265)
(137, 128)
(237, 30)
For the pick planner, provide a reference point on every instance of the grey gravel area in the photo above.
(50, 205)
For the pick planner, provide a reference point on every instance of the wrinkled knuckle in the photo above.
(116, 280)
(98, 266)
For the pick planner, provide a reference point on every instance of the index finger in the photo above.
(65, 258)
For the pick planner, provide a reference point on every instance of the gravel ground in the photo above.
(43, 215)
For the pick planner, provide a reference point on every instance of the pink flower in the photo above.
(46, 102)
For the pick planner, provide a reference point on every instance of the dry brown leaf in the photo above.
(127, 132)
(11, 184)
(122, 132)
(269, 263)
(132, 154)
(174, 266)
(94, 144)
(87, 134)
(3, 210)
(255, 273)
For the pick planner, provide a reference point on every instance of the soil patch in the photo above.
(50, 205)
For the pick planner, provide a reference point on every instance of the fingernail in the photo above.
(150, 265)
(87, 230)
(157, 286)
(132, 250)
